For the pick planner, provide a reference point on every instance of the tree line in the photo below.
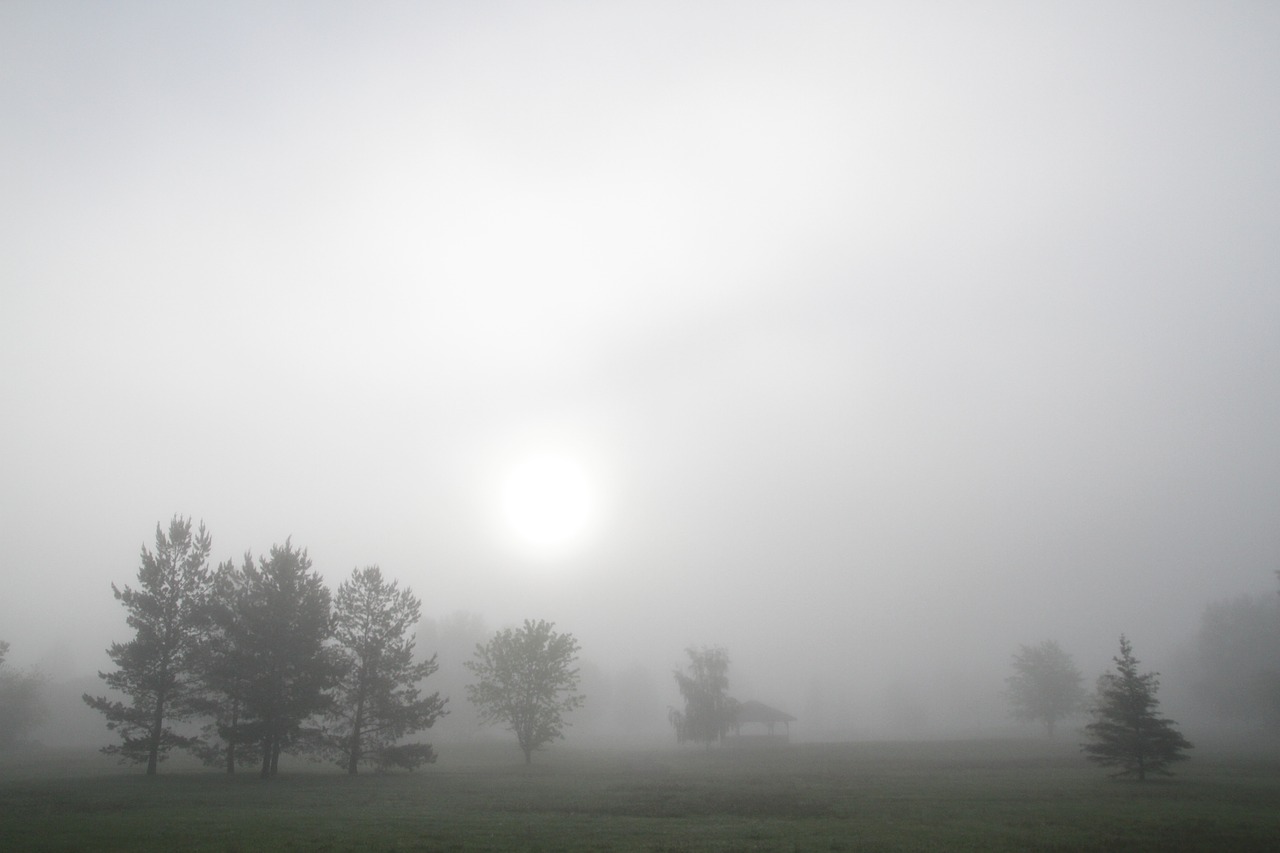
(1126, 730)
(240, 664)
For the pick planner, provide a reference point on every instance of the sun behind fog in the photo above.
(547, 502)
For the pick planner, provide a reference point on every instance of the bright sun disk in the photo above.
(547, 501)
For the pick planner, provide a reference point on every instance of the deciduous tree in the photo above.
(377, 698)
(1126, 731)
(154, 668)
(527, 680)
(708, 709)
(1045, 686)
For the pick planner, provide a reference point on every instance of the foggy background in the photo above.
(891, 335)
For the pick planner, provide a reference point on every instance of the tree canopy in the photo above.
(526, 679)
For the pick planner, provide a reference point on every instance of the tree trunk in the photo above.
(157, 729)
(353, 757)
(266, 757)
(231, 740)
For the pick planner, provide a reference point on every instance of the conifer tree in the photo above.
(274, 652)
(1126, 731)
(155, 667)
(377, 700)
(223, 676)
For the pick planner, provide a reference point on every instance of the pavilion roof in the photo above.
(752, 711)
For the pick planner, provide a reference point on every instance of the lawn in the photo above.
(972, 795)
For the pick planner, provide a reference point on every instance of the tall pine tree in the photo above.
(155, 667)
(377, 700)
(275, 654)
(223, 675)
(1126, 731)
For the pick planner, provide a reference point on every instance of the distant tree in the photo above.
(527, 680)
(21, 703)
(274, 637)
(708, 710)
(1126, 731)
(1045, 686)
(154, 668)
(377, 699)
(1237, 661)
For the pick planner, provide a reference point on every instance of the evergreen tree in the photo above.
(708, 709)
(275, 659)
(377, 700)
(224, 678)
(1126, 731)
(527, 680)
(154, 668)
(1045, 686)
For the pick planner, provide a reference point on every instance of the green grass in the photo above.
(990, 795)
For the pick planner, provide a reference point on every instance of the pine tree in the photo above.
(154, 668)
(223, 677)
(377, 700)
(1126, 731)
(276, 629)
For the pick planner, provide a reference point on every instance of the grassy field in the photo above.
(984, 795)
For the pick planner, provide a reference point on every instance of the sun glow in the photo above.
(547, 502)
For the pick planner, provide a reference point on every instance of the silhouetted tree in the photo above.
(1045, 685)
(377, 700)
(274, 648)
(708, 710)
(527, 681)
(1126, 731)
(21, 703)
(154, 668)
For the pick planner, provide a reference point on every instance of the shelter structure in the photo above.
(752, 712)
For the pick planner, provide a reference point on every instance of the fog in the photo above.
(886, 336)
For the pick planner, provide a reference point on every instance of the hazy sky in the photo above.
(888, 336)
